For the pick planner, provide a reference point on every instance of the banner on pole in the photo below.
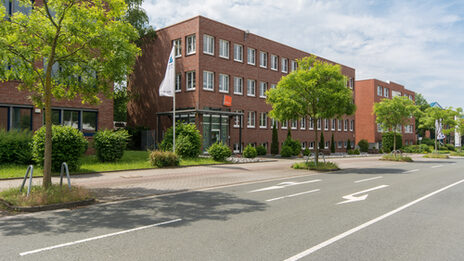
(168, 84)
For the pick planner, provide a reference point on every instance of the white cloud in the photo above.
(415, 43)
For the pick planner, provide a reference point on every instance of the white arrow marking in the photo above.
(352, 198)
(284, 185)
(411, 171)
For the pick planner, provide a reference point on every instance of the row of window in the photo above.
(405, 128)
(385, 92)
(304, 145)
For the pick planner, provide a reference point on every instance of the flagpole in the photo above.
(174, 109)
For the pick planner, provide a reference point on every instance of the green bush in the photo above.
(164, 159)
(332, 144)
(261, 150)
(293, 144)
(321, 166)
(348, 145)
(250, 152)
(68, 144)
(15, 146)
(387, 141)
(110, 145)
(356, 152)
(286, 151)
(427, 141)
(219, 151)
(306, 152)
(450, 147)
(397, 157)
(275, 141)
(190, 147)
(363, 145)
(423, 148)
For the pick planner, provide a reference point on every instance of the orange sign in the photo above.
(227, 100)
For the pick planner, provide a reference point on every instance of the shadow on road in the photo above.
(373, 171)
(190, 207)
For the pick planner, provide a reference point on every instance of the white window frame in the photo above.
(237, 120)
(294, 124)
(251, 91)
(262, 59)
(273, 85)
(319, 123)
(178, 87)
(311, 145)
(238, 53)
(191, 44)
(251, 56)
(284, 65)
(190, 76)
(327, 144)
(311, 124)
(326, 124)
(263, 120)
(208, 44)
(224, 49)
(303, 124)
(340, 144)
(340, 125)
(274, 62)
(294, 65)
(262, 89)
(178, 47)
(208, 77)
(345, 126)
(352, 125)
(284, 125)
(251, 119)
(224, 80)
(238, 80)
(274, 121)
(334, 122)
(379, 90)
(386, 92)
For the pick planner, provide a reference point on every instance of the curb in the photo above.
(73, 204)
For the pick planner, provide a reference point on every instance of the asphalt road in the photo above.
(405, 211)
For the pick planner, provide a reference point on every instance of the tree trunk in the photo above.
(47, 177)
(436, 149)
(316, 143)
(394, 141)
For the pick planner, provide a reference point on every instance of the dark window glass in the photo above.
(56, 117)
(22, 118)
(89, 121)
(71, 118)
(4, 118)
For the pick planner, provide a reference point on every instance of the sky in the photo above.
(419, 44)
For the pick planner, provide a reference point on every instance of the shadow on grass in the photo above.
(190, 207)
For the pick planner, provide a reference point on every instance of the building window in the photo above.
(294, 65)
(224, 49)
(251, 88)
(284, 65)
(334, 122)
(190, 80)
(238, 85)
(71, 118)
(303, 145)
(89, 120)
(224, 83)
(178, 47)
(4, 112)
(311, 123)
(238, 53)
(294, 124)
(351, 83)
(208, 44)
(191, 43)
(263, 120)
(379, 90)
(251, 57)
(21, 118)
(208, 80)
(236, 148)
(326, 124)
(327, 144)
(303, 123)
(386, 92)
(284, 124)
(340, 144)
(178, 82)
(238, 120)
(262, 89)
(273, 86)
(352, 125)
(251, 119)
(263, 59)
(345, 128)
(274, 62)
(340, 124)
(318, 124)
(379, 128)
(311, 145)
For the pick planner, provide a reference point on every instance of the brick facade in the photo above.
(150, 68)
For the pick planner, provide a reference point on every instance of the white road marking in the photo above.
(436, 166)
(362, 180)
(370, 222)
(98, 237)
(284, 185)
(352, 198)
(411, 171)
(293, 195)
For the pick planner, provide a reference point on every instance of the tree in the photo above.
(460, 126)
(445, 117)
(348, 145)
(275, 141)
(393, 113)
(321, 142)
(84, 47)
(422, 105)
(317, 89)
(332, 144)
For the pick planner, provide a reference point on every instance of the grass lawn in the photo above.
(436, 156)
(90, 164)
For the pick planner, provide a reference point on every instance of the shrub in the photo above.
(163, 159)
(261, 150)
(436, 156)
(275, 141)
(15, 146)
(450, 147)
(250, 152)
(387, 141)
(192, 143)
(416, 149)
(286, 152)
(397, 157)
(68, 144)
(294, 145)
(110, 145)
(219, 151)
(356, 152)
(322, 142)
(306, 152)
(321, 166)
(427, 141)
(332, 144)
(348, 145)
(363, 145)
(349, 152)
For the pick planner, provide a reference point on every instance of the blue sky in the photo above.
(419, 44)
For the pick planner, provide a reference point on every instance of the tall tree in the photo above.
(275, 141)
(332, 144)
(422, 105)
(66, 49)
(436, 115)
(316, 89)
(394, 113)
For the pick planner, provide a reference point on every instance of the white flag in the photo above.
(439, 127)
(168, 83)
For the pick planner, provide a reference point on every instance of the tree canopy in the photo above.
(446, 117)
(422, 105)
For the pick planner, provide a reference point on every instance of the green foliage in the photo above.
(445, 116)
(250, 152)
(422, 148)
(68, 144)
(397, 157)
(188, 140)
(120, 100)
(427, 141)
(422, 105)
(110, 145)
(138, 18)
(459, 154)
(219, 151)
(287, 151)
(332, 144)
(15, 146)
(261, 150)
(436, 156)
(322, 141)
(388, 140)
(275, 141)
(353, 152)
(321, 166)
(162, 159)
(450, 147)
(306, 152)
(363, 145)
(348, 145)
(294, 145)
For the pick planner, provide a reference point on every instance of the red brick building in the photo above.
(216, 62)
(18, 112)
(372, 91)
